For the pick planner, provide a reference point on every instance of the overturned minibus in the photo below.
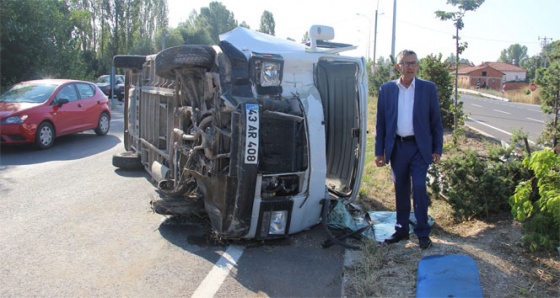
(259, 131)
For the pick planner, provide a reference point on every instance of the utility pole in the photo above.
(369, 35)
(394, 27)
(164, 34)
(375, 37)
(555, 124)
(544, 43)
(394, 32)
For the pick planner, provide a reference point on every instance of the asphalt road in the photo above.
(499, 118)
(73, 225)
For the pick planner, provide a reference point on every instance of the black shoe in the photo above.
(396, 238)
(425, 242)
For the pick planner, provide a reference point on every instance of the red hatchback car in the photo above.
(38, 111)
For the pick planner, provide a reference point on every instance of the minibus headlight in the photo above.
(278, 222)
(270, 74)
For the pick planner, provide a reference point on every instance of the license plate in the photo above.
(252, 134)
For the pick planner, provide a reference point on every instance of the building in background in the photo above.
(492, 75)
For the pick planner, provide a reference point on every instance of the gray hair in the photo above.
(404, 53)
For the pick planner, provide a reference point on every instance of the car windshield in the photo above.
(107, 79)
(28, 93)
(103, 79)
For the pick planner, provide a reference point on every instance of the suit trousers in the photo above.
(408, 167)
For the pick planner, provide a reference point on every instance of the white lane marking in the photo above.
(493, 127)
(478, 106)
(536, 120)
(501, 111)
(212, 282)
(500, 130)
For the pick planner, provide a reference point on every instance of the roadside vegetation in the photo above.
(472, 202)
(479, 187)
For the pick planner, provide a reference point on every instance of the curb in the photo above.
(482, 94)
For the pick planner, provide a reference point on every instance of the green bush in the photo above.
(477, 186)
(432, 68)
(536, 201)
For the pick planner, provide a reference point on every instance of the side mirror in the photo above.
(61, 101)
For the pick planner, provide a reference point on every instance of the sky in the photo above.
(493, 27)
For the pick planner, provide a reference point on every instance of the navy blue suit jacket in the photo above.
(428, 128)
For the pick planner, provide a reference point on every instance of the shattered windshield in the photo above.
(28, 93)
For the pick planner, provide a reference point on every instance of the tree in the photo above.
(37, 45)
(267, 23)
(192, 32)
(135, 28)
(451, 60)
(535, 62)
(536, 201)
(75, 38)
(531, 64)
(435, 70)
(381, 74)
(457, 18)
(216, 19)
(515, 54)
(549, 81)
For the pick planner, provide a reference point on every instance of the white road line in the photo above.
(536, 120)
(213, 281)
(500, 130)
(482, 123)
(478, 106)
(501, 111)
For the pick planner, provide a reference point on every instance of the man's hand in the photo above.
(435, 158)
(380, 160)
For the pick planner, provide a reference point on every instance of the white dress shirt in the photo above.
(405, 127)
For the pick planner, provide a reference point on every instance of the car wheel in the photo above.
(129, 61)
(44, 137)
(128, 161)
(103, 124)
(196, 56)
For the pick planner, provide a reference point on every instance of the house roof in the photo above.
(503, 67)
(451, 66)
(468, 69)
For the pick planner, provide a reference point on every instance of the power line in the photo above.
(467, 36)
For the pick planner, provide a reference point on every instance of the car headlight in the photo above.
(270, 74)
(14, 119)
(274, 218)
(267, 70)
(278, 221)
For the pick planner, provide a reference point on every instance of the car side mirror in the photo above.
(62, 101)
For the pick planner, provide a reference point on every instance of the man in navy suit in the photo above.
(409, 135)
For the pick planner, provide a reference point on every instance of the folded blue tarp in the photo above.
(448, 276)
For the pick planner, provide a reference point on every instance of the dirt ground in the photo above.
(506, 266)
